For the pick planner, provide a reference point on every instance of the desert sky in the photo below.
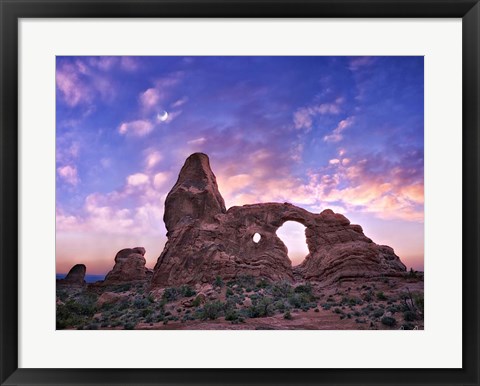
(344, 133)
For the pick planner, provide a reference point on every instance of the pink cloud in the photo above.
(139, 128)
(391, 195)
(336, 134)
(360, 61)
(160, 179)
(345, 184)
(303, 117)
(73, 91)
(152, 158)
(128, 63)
(69, 174)
(137, 179)
(104, 63)
(197, 141)
(81, 82)
(162, 89)
(179, 102)
(149, 98)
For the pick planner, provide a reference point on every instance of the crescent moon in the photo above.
(162, 117)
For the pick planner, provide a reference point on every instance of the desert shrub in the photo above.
(76, 311)
(377, 313)
(262, 283)
(229, 292)
(388, 321)
(170, 294)
(419, 302)
(211, 310)
(280, 305)
(187, 291)
(327, 306)
(413, 303)
(351, 301)
(146, 312)
(65, 318)
(232, 315)
(368, 296)
(381, 296)
(393, 308)
(62, 295)
(287, 315)
(218, 282)
(281, 290)
(412, 274)
(197, 301)
(122, 287)
(123, 305)
(140, 303)
(409, 316)
(301, 300)
(304, 288)
(129, 326)
(245, 281)
(261, 307)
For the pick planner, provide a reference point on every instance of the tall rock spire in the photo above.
(195, 196)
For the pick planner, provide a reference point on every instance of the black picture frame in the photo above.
(13, 10)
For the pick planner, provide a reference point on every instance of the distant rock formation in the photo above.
(75, 277)
(205, 240)
(129, 267)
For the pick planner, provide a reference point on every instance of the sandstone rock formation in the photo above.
(195, 196)
(205, 240)
(129, 266)
(75, 277)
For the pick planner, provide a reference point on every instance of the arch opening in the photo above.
(256, 238)
(292, 234)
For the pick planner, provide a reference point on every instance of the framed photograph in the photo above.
(240, 193)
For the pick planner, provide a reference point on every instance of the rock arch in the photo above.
(205, 240)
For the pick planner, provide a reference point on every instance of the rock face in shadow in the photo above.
(75, 277)
(205, 240)
(129, 267)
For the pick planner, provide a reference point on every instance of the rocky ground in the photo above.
(247, 303)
